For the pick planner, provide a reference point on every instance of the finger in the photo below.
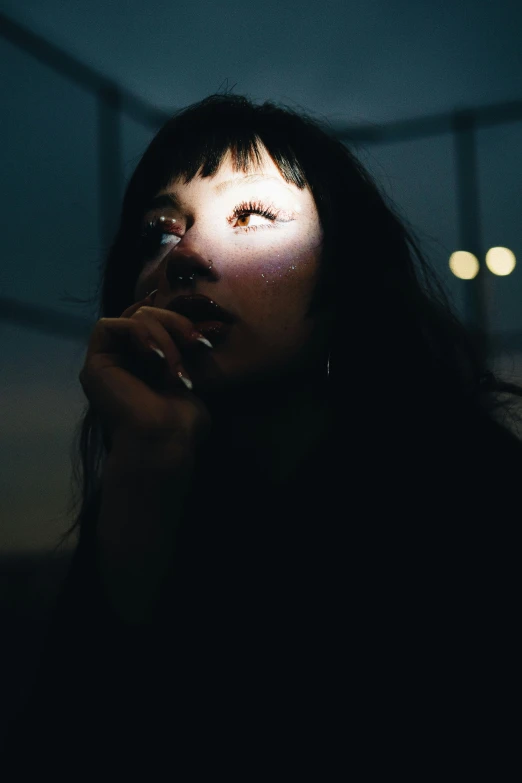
(180, 328)
(136, 306)
(127, 342)
(160, 338)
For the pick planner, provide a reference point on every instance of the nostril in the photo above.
(184, 266)
(179, 271)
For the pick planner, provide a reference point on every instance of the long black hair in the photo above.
(398, 351)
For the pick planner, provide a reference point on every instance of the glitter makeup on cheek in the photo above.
(282, 269)
(291, 261)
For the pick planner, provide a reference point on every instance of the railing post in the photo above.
(110, 164)
(468, 215)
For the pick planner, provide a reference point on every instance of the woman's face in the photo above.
(263, 268)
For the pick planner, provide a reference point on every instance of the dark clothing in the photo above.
(362, 620)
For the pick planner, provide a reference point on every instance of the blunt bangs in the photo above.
(195, 142)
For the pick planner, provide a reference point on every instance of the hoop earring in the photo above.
(328, 366)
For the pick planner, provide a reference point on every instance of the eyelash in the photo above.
(255, 208)
(153, 230)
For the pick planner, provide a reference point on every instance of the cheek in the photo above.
(276, 281)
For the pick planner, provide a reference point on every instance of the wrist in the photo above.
(136, 537)
(151, 461)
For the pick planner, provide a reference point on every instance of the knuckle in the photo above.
(84, 383)
(83, 375)
(102, 323)
(100, 327)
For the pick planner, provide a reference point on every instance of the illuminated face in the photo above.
(263, 240)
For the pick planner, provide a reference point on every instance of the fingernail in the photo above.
(185, 379)
(204, 341)
(155, 349)
(199, 337)
(150, 297)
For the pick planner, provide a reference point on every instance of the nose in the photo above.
(183, 266)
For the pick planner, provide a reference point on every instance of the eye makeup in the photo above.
(162, 226)
(257, 208)
(163, 230)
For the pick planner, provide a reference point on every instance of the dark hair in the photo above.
(395, 334)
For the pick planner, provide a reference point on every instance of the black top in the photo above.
(364, 615)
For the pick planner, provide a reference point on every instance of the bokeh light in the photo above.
(500, 260)
(464, 265)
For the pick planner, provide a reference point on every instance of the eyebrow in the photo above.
(172, 200)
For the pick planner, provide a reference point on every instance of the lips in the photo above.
(199, 308)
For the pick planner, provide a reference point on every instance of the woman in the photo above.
(296, 512)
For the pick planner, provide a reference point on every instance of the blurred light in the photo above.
(500, 260)
(464, 265)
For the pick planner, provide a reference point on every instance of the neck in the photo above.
(265, 431)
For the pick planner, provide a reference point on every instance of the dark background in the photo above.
(85, 87)
(431, 92)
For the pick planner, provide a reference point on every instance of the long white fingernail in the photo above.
(185, 380)
(156, 349)
(204, 341)
(151, 294)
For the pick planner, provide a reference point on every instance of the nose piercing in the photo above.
(182, 277)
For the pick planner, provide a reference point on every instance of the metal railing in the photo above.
(113, 102)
